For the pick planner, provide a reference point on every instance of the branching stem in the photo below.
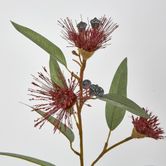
(73, 74)
(71, 146)
(105, 149)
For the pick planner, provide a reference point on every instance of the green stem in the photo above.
(105, 150)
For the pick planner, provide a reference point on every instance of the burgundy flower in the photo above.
(55, 100)
(147, 127)
(88, 38)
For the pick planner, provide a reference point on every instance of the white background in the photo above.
(140, 37)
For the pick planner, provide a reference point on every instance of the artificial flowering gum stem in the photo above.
(105, 149)
(58, 98)
(87, 39)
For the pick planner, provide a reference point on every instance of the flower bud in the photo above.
(86, 84)
(81, 26)
(95, 23)
(96, 90)
(100, 91)
(92, 89)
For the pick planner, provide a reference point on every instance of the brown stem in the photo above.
(71, 146)
(79, 108)
(80, 81)
(105, 150)
(109, 134)
(76, 121)
(78, 63)
(81, 140)
(73, 74)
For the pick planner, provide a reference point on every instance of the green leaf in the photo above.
(114, 114)
(56, 73)
(42, 42)
(27, 158)
(64, 129)
(124, 103)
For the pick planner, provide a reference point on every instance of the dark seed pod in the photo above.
(81, 26)
(100, 92)
(93, 89)
(95, 23)
(86, 84)
(96, 90)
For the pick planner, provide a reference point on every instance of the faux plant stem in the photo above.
(79, 113)
(105, 150)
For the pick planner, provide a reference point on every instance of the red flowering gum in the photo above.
(147, 127)
(88, 38)
(53, 99)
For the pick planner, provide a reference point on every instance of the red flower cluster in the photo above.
(55, 99)
(89, 38)
(147, 127)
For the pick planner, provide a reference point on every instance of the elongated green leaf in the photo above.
(114, 114)
(124, 103)
(64, 129)
(42, 42)
(27, 158)
(56, 73)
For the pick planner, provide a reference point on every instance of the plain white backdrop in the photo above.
(140, 37)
